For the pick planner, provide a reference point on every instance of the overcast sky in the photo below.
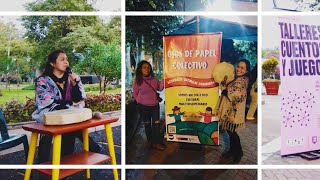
(17, 5)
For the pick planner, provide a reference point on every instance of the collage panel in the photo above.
(192, 5)
(290, 101)
(205, 174)
(60, 91)
(184, 62)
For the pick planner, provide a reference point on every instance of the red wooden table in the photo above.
(84, 157)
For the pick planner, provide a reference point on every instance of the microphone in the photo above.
(68, 70)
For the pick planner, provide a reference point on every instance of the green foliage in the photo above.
(103, 61)
(269, 66)
(60, 5)
(149, 5)
(152, 28)
(15, 111)
(103, 103)
(91, 87)
(271, 80)
(247, 50)
(31, 87)
(157, 5)
(15, 52)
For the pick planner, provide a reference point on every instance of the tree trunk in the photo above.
(105, 85)
(128, 67)
(100, 83)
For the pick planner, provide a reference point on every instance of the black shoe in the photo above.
(238, 157)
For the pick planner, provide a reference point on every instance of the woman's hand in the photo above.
(224, 83)
(78, 103)
(74, 78)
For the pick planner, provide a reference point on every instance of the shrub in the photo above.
(91, 87)
(14, 111)
(271, 80)
(269, 66)
(103, 102)
(31, 87)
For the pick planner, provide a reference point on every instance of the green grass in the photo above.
(16, 93)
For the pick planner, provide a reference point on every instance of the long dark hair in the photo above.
(139, 75)
(52, 57)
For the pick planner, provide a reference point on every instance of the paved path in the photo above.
(290, 174)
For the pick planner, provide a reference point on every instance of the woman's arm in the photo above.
(46, 96)
(160, 84)
(135, 90)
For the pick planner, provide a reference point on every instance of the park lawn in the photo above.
(20, 95)
(17, 94)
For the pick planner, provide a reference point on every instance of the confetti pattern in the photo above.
(296, 109)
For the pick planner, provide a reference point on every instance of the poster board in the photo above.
(190, 88)
(300, 84)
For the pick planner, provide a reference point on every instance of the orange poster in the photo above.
(190, 91)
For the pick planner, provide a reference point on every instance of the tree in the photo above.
(61, 5)
(248, 50)
(269, 66)
(144, 35)
(103, 61)
(158, 5)
(49, 33)
(15, 53)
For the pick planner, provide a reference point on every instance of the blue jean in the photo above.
(225, 139)
(3, 127)
(151, 119)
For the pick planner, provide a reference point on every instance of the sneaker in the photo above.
(160, 147)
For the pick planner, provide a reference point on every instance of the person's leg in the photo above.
(93, 146)
(225, 139)
(67, 143)
(45, 144)
(237, 149)
(3, 127)
(146, 113)
(231, 145)
(155, 123)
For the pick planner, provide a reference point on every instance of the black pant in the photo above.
(67, 145)
(235, 145)
(151, 119)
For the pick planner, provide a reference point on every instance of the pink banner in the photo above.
(300, 84)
